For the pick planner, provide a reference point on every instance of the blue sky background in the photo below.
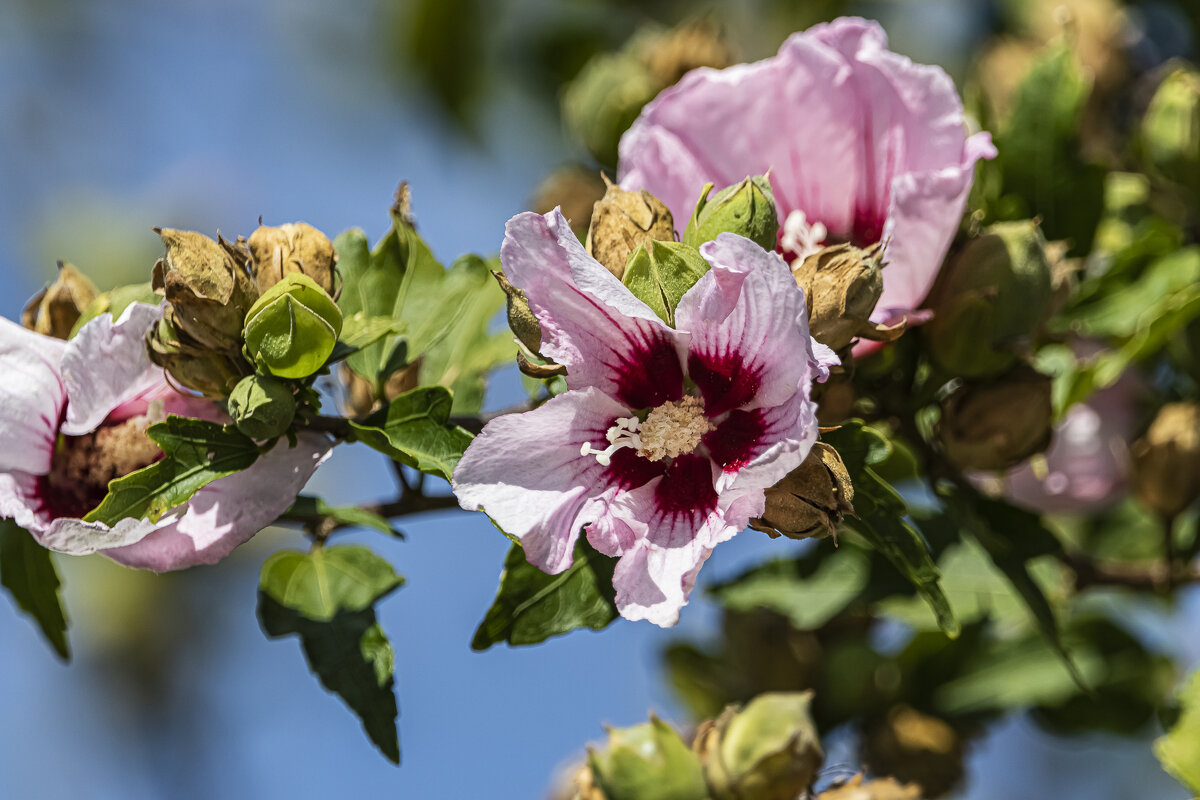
(123, 114)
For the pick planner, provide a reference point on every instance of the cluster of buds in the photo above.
(242, 318)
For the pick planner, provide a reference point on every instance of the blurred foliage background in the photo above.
(124, 114)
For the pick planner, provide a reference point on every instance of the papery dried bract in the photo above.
(208, 286)
(296, 247)
(55, 310)
(811, 500)
(621, 221)
(212, 373)
(842, 284)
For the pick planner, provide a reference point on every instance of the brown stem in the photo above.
(1155, 576)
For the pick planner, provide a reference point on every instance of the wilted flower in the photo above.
(73, 416)
(862, 145)
(653, 473)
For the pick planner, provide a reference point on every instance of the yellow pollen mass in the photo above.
(673, 429)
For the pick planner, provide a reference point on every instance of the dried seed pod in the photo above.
(55, 309)
(206, 284)
(997, 424)
(811, 500)
(200, 369)
(294, 247)
(842, 284)
(1166, 461)
(915, 748)
(623, 220)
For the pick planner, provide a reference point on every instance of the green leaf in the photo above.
(27, 571)
(414, 430)
(311, 510)
(195, 453)
(532, 606)
(660, 273)
(1179, 750)
(326, 581)
(360, 331)
(809, 601)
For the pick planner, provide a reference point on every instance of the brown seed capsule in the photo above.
(360, 396)
(842, 284)
(1166, 461)
(209, 289)
(575, 190)
(212, 373)
(879, 789)
(54, 310)
(811, 500)
(995, 425)
(674, 53)
(915, 748)
(294, 247)
(623, 220)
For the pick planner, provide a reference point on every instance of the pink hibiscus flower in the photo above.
(72, 417)
(862, 145)
(666, 439)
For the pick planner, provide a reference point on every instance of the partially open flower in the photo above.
(811, 500)
(208, 287)
(55, 310)
(294, 247)
(621, 221)
(1166, 461)
(73, 416)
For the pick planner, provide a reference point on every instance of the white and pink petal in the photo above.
(32, 398)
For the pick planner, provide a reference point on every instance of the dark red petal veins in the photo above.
(735, 442)
(687, 488)
(649, 373)
(628, 470)
(867, 228)
(726, 380)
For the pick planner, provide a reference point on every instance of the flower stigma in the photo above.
(800, 237)
(673, 429)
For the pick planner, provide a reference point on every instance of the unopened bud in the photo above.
(521, 318)
(212, 373)
(622, 221)
(746, 208)
(1166, 461)
(997, 424)
(842, 284)
(768, 750)
(208, 286)
(604, 99)
(646, 762)
(294, 247)
(879, 789)
(811, 500)
(660, 273)
(1170, 131)
(292, 329)
(990, 300)
(574, 189)
(54, 310)
(262, 407)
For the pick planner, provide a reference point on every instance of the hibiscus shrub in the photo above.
(819, 303)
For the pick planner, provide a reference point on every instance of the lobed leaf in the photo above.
(414, 429)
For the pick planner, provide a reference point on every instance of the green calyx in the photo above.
(747, 209)
(262, 407)
(292, 329)
(647, 762)
(660, 273)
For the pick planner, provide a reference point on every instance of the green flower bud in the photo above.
(995, 425)
(990, 300)
(810, 500)
(746, 208)
(621, 221)
(767, 751)
(660, 273)
(604, 99)
(55, 310)
(292, 329)
(208, 285)
(209, 372)
(262, 407)
(295, 247)
(1170, 131)
(647, 762)
(1166, 461)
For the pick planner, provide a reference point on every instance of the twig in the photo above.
(1143, 577)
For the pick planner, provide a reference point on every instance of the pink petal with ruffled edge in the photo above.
(653, 583)
(32, 397)
(591, 323)
(106, 365)
(229, 511)
(525, 471)
(855, 136)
